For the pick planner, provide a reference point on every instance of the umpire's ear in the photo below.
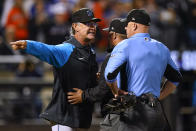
(114, 35)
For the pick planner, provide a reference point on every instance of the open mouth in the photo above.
(92, 33)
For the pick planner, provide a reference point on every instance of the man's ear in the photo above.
(74, 25)
(114, 35)
(134, 26)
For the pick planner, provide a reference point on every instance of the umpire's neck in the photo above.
(134, 28)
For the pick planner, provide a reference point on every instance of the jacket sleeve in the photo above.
(97, 93)
(56, 55)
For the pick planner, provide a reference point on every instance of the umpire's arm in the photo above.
(117, 59)
(173, 76)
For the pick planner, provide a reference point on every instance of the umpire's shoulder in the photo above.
(159, 44)
(120, 47)
(122, 44)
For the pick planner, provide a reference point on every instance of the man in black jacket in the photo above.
(102, 92)
(74, 67)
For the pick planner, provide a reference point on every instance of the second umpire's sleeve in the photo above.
(117, 59)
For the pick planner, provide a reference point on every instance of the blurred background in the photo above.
(26, 83)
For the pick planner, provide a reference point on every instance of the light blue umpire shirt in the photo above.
(146, 59)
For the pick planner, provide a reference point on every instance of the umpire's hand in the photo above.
(75, 97)
(17, 45)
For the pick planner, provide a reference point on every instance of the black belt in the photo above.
(121, 103)
(148, 98)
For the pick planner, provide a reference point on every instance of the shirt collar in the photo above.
(141, 35)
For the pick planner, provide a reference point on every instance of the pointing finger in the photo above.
(16, 43)
(19, 43)
(12, 43)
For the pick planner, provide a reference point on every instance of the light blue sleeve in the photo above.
(118, 80)
(171, 62)
(117, 59)
(56, 55)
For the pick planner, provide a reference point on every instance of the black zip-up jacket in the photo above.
(102, 92)
(78, 72)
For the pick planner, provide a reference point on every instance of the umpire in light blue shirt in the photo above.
(147, 61)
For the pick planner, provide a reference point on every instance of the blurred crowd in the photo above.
(48, 21)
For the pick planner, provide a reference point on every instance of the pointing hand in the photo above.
(21, 44)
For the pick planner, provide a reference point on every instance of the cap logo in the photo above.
(133, 18)
(89, 13)
(112, 28)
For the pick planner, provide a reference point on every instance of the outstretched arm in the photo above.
(56, 55)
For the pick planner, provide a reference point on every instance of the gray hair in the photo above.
(72, 30)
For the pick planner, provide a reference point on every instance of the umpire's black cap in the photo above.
(138, 16)
(117, 25)
(84, 15)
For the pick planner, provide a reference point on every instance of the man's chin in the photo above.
(90, 39)
(91, 36)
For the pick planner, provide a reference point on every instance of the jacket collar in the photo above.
(75, 42)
